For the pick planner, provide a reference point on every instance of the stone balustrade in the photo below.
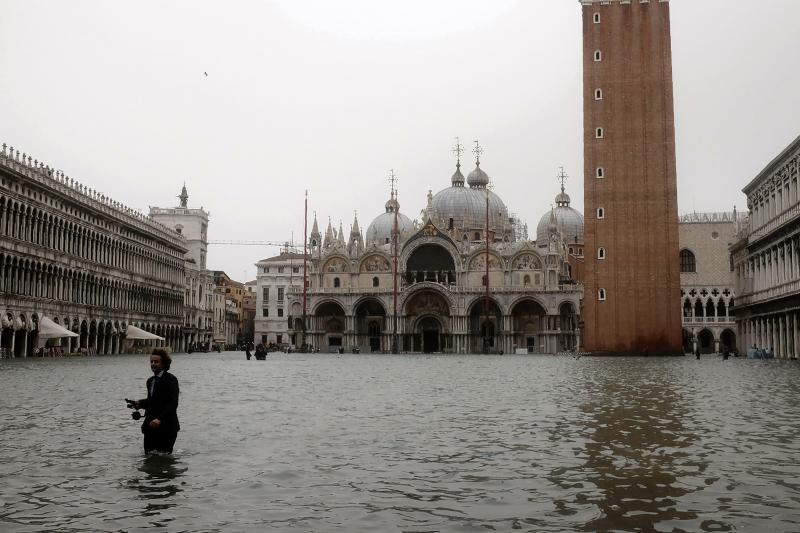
(39, 172)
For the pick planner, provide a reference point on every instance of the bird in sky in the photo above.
(206, 74)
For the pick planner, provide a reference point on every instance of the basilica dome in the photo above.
(568, 220)
(466, 206)
(380, 230)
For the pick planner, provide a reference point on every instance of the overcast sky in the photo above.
(330, 95)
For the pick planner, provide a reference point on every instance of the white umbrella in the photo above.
(50, 330)
(134, 333)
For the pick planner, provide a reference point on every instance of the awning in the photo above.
(50, 330)
(134, 333)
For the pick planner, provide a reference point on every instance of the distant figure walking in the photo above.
(697, 352)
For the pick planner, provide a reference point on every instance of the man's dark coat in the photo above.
(162, 404)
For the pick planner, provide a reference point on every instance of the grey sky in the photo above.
(328, 96)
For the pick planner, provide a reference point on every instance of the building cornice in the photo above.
(621, 2)
(772, 166)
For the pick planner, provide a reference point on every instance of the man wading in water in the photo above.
(160, 426)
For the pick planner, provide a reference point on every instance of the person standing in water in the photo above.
(160, 426)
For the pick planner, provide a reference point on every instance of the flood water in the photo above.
(405, 443)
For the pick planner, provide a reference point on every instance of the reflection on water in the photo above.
(406, 443)
(159, 480)
(636, 459)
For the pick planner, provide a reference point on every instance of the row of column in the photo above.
(87, 291)
(556, 334)
(783, 197)
(87, 244)
(22, 343)
(779, 333)
(776, 265)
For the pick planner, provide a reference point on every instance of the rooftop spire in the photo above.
(477, 151)
(562, 177)
(184, 196)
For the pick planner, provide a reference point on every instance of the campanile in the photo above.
(632, 278)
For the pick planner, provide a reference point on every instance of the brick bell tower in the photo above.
(632, 278)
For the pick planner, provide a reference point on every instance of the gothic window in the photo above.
(597, 18)
(598, 56)
(375, 282)
(598, 94)
(601, 253)
(601, 213)
(687, 261)
(601, 295)
(336, 282)
(598, 133)
(600, 173)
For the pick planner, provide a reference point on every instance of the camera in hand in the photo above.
(136, 415)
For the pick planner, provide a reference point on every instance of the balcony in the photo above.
(790, 288)
(703, 320)
(774, 223)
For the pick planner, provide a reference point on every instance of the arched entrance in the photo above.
(727, 341)
(705, 340)
(370, 324)
(428, 332)
(20, 337)
(485, 326)
(427, 314)
(329, 321)
(528, 317)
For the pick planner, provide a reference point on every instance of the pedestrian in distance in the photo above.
(697, 352)
(160, 426)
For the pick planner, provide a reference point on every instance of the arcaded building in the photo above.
(457, 281)
(83, 260)
(766, 258)
(631, 277)
(708, 294)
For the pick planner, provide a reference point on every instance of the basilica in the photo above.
(463, 278)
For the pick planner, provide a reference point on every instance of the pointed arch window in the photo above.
(598, 56)
(598, 94)
(601, 295)
(598, 133)
(375, 281)
(688, 263)
(601, 213)
(597, 18)
(336, 282)
(601, 253)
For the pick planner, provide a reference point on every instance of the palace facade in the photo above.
(766, 258)
(85, 261)
(458, 281)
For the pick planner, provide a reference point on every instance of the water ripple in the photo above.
(406, 443)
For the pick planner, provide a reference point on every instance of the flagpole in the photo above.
(305, 269)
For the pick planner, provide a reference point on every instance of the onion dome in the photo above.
(380, 230)
(569, 221)
(478, 178)
(466, 206)
(458, 178)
